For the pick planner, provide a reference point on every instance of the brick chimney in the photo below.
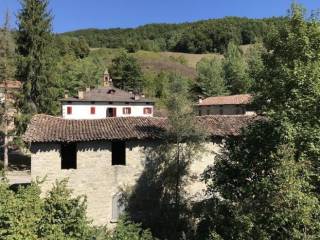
(136, 96)
(80, 94)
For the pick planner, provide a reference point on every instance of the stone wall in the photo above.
(222, 110)
(95, 176)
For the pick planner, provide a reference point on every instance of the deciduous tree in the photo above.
(236, 70)
(126, 73)
(266, 184)
(211, 77)
(7, 72)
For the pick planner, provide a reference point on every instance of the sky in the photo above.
(79, 14)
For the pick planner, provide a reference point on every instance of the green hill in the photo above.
(198, 37)
(156, 62)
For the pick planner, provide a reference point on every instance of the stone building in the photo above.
(226, 105)
(101, 157)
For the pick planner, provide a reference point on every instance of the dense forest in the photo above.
(199, 37)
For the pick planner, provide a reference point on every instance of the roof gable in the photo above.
(107, 94)
(227, 100)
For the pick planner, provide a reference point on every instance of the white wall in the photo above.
(81, 110)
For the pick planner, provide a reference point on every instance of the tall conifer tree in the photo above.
(36, 61)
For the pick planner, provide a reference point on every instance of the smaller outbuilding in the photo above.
(226, 105)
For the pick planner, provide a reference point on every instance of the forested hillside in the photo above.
(198, 37)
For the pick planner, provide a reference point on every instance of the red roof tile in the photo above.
(227, 100)
(44, 128)
(107, 94)
(12, 84)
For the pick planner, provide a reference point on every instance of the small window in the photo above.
(208, 111)
(68, 156)
(118, 149)
(126, 111)
(118, 207)
(69, 110)
(93, 110)
(147, 110)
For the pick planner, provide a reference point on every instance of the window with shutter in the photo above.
(126, 111)
(147, 110)
(69, 110)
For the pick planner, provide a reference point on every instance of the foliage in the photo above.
(199, 37)
(25, 215)
(7, 53)
(72, 46)
(159, 200)
(255, 63)
(128, 230)
(34, 46)
(65, 217)
(126, 73)
(236, 70)
(7, 72)
(36, 62)
(266, 183)
(211, 79)
(76, 74)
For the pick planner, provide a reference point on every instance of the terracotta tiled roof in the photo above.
(43, 128)
(106, 94)
(226, 100)
(12, 84)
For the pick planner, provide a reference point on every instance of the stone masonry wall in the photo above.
(96, 178)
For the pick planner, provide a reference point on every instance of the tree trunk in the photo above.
(177, 190)
(6, 123)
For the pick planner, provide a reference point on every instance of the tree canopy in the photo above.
(265, 185)
(212, 35)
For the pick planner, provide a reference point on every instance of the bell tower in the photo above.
(107, 81)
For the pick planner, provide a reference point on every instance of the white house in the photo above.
(106, 102)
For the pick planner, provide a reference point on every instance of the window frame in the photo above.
(126, 110)
(69, 110)
(118, 153)
(68, 150)
(147, 110)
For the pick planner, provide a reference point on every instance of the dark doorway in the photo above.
(69, 156)
(118, 153)
(111, 112)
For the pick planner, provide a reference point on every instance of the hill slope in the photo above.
(197, 37)
(156, 62)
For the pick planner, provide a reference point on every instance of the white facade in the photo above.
(84, 110)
